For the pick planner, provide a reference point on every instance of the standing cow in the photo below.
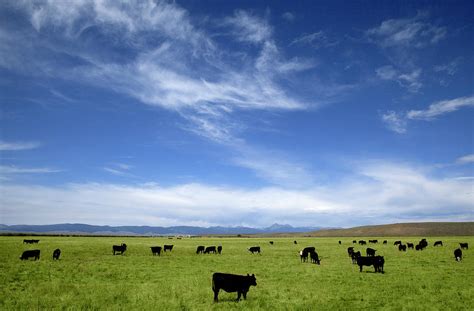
(402, 248)
(56, 254)
(167, 248)
(119, 248)
(35, 253)
(305, 253)
(377, 262)
(438, 243)
(200, 249)
(219, 249)
(210, 249)
(254, 249)
(458, 254)
(464, 245)
(232, 283)
(155, 250)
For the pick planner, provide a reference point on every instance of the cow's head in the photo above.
(252, 280)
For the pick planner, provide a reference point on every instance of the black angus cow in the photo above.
(418, 247)
(410, 245)
(210, 249)
(305, 252)
(167, 248)
(314, 258)
(397, 243)
(354, 256)
(340, 242)
(119, 248)
(385, 242)
(219, 249)
(458, 254)
(200, 249)
(373, 241)
(350, 250)
(438, 243)
(377, 262)
(295, 242)
(402, 248)
(464, 245)
(354, 242)
(271, 242)
(56, 254)
(232, 283)
(156, 250)
(254, 249)
(35, 253)
(370, 252)
(423, 243)
(30, 241)
(362, 242)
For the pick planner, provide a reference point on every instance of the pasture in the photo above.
(88, 276)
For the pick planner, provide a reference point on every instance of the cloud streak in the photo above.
(18, 145)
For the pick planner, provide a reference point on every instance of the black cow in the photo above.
(219, 249)
(295, 242)
(397, 243)
(354, 242)
(255, 249)
(362, 242)
(385, 242)
(423, 243)
(200, 249)
(232, 283)
(56, 254)
(354, 256)
(464, 245)
(373, 241)
(438, 243)
(418, 247)
(156, 250)
(350, 250)
(458, 254)
(402, 248)
(30, 241)
(305, 253)
(377, 262)
(370, 252)
(119, 248)
(314, 258)
(410, 245)
(35, 253)
(271, 242)
(210, 249)
(340, 242)
(167, 248)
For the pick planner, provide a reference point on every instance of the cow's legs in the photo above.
(216, 293)
(245, 295)
(360, 268)
(238, 295)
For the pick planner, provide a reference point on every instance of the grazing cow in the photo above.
(373, 241)
(458, 254)
(156, 250)
(354, 242)
(340, 242)
(370, 252)
(35, 253)
(354, 256)
(167, 248)
(362, 242)
(464, 245)
(305, 252)
(410, 245)
(295, 242)
(56, 254)
(232, 283)
(200, 249)
(210, 249)
(255, 249)
(418, 247)
(423, 243)
(314, 258)
(271, 242)
(438, 243)
(30, 241)
(350, 250)
(385, 242)
(397, 243)
(402, 248)
(377, 262)
(119, 248)
(219, 249)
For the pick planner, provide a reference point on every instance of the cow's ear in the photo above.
(253, 274)
(248, 274)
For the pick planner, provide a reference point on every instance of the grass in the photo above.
(88, 277)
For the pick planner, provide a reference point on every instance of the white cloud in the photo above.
(411, 32)
(248, 27)
(377, 192)
(395, 121)
(410, 81)
(466, 159)
(450, 68)
(18, 145)
(8, 170)
(288, 16)
(440, 108)
(317, 40)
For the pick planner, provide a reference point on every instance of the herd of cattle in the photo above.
(242, 283)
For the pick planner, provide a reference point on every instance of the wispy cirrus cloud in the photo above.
(319, 39)
(18, 145)
(465, 159)
(397, 121)
(10, 170)
(407, 32)
(248, 27)
(410, 81)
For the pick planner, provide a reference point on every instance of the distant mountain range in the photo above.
(148, 230)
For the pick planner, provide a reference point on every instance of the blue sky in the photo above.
(320, 113)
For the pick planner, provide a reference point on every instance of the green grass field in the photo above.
(88, 277)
